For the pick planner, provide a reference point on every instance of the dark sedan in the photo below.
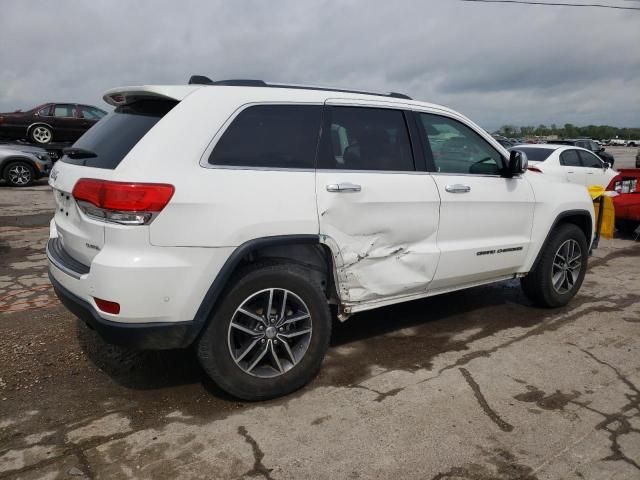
(59, 122)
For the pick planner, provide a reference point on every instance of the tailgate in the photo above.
(81, 237)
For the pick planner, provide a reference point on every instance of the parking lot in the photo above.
(475, 384)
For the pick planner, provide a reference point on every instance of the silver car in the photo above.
(21, 165)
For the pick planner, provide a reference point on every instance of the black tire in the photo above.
(19, 174)
(213, 346)
(626, 227)
(538, 284)
(41, 134)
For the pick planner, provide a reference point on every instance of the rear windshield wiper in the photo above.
(79, 153)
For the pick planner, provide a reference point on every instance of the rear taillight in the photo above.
(534, 169)
(122, 202)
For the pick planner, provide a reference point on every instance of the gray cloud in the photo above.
(496, 63)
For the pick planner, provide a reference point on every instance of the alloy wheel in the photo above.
(42, 134)
(19, 175)
(567, 264)
(269, 332)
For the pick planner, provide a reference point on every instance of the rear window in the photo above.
(535, 154)
(117, 133)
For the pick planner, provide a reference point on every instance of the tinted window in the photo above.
(570, 158)
(590, 160)
(535, 154)
(45, 112)
(458, 149)
(63, 110)
(118, 132)
(362, 138)
(273, 136)
(91, 113)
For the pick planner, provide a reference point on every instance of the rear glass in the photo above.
(118, 132)
(535, 154)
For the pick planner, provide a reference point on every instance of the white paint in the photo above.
(586, 176)
(403, 236)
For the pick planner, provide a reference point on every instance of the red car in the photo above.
(627, 202)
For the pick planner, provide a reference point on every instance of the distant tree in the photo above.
(527, 131)
(542, 130)
(569, 131)
(507, 130)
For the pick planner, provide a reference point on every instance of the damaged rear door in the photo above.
(376, 211)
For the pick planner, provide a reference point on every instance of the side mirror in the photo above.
(518, 163)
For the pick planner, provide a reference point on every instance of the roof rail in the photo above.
(241, 83)
(202, 80)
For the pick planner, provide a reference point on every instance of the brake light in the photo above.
(107, 306)
(122, 202)
(534, 169)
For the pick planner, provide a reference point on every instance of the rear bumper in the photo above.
(143, 336)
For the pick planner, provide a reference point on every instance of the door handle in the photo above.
(589, 173)
(458, 188)
(343, 187)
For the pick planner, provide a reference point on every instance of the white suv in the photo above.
(237, 216)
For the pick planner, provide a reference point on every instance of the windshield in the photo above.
(118, 132)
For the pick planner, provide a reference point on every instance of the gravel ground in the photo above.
(470, 385)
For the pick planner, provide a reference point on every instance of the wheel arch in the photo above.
(17, 158)
(303, 249)
(581, 218)
(35, 124)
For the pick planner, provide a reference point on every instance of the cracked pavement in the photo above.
(470, 385)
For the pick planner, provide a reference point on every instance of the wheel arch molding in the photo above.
(9, 160)
(35, 124)
(581, 218)
(238, 258)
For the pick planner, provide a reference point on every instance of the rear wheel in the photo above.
(561, 269)
(41, 134)
(19, 174)
(269, 335)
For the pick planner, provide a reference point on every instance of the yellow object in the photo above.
(608, 213)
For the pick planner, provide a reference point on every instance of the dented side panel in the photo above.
(384, 236)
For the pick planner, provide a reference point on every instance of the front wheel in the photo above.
(559, 273)
(19, 174)
(269, 335)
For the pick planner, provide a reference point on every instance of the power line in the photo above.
(556, 4)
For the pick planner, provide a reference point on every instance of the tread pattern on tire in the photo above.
(237, 382)
(537, 285)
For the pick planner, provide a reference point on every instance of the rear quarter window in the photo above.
(118, 132)
(270, 136)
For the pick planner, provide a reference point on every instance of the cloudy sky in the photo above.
(497, 63)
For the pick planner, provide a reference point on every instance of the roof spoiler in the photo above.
(200, 80)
